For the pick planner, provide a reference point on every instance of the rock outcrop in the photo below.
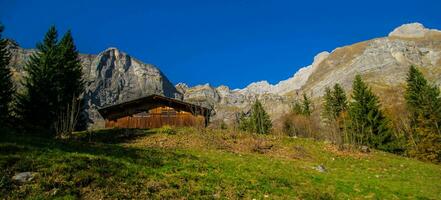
(114, 76)
(111, 77)
(382, 62)
(412, 30)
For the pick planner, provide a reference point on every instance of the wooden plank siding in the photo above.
(157, 117)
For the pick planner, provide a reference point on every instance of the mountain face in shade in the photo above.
(111, 77)
(114, 76)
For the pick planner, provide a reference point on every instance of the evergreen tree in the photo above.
(37, 105)
(70, 85)
(368, 123)
(6, 85)
(328, 104)
(245, 122)
(424, 105)
(260, 119)
(335, 102)
(52, 86)
(306, 106)
(297, 108)
(340, 101)
(69, 74)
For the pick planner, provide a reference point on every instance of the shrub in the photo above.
(300, 125)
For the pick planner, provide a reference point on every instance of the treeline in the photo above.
(50, 101)
(360, 121)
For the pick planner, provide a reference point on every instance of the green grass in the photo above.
(205, 164)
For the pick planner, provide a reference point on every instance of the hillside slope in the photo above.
(207, 164)
(382, 62)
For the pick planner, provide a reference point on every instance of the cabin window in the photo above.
(167, 113)
(141, 114)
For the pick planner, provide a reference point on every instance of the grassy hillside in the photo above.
(205, 164)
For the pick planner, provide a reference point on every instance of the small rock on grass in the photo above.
(320, 168)
(365, 149)
(23, 177)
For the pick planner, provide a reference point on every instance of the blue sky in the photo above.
(230, 42)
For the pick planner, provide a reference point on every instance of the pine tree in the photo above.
(37, 106)
(6, 85)
(328, 103)
(69, 84)
(69, 74)
(297, 108)
(340, 101)
(260, 119)
(245, 122)
(306, 106)
(368, 123)
(424, 105)
(52, 86)
(335, 102)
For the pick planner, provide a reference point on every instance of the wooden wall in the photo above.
(156, 118)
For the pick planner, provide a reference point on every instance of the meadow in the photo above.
(191, 163)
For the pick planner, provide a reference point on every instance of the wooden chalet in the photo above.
(154, 111)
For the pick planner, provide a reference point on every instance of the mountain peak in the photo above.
(411, 30)
(112, 49)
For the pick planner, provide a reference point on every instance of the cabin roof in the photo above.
(130, 107)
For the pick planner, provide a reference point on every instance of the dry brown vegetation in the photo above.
(339, 57)
(234, 141)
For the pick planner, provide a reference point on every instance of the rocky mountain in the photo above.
(111, 77)
(114, 76)
(382, 62)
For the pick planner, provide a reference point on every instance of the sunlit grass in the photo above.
(205, 164)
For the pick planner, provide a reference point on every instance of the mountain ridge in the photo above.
(114, 76)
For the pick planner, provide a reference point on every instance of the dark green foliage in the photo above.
(303, 107)
(37, 105)
(424, 105)
(335, 102)
(69, 73)
(53, 82)
(368, 124)
(297, 108)
(245, 123)
(6, 85)
(334, 111)
(328, 104)
(306, 106)
(340, 101)
(259, 121)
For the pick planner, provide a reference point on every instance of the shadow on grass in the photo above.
(74, 169)
(107, 147)
(112, 136)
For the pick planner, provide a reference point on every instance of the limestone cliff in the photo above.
(111, 77)
(114, 76)
(382, 62)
